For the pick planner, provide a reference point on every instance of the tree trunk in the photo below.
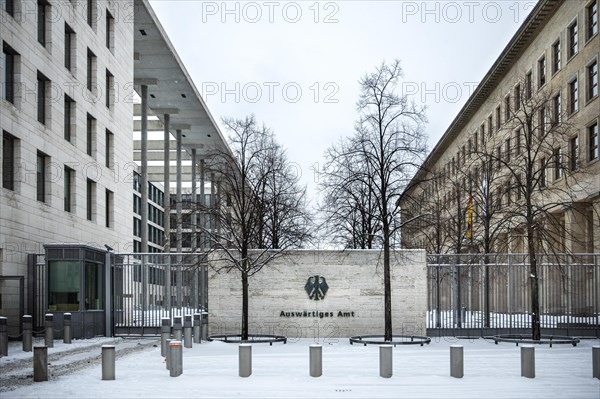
(533, 278)
(244, 306)
(387, 283)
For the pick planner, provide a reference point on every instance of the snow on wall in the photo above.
(353, 304)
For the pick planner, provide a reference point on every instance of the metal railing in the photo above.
(492, 292)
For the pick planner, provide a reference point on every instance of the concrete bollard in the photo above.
(108, 362)
(176, 356)
(3, 336)
(197, 328)
(204, 326)
(168, 354)
(67, 328)
(49, 336)
(385, 361)
(528, 361)
(165, 334)
(456, 361)
(40, 363)
(187, 331)
(27, 333)
(245, 358)
(316, 360)
(596, 362)
(177, 328)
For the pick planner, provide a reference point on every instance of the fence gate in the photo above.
(148, 287)
(488, 294)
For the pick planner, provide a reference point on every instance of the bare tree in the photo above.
(263, 214)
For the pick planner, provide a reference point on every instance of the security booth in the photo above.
(78, 277)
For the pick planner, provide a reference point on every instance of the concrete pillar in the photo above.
(165, 334)
(67, 328)
(385, 361)
(176, 359)
(167, 208)
(456, 361)
(316, 360)
(144, 169)
(108, 362)
(596, 362)
(179, 220)
(49, 334)
(40, 363)
(194, 202)
(245, 360)
(3, 336)
(187, 331)
(213, 207)
(202, 216)
(197, 329)
(528, 361)
(27, 333)
(177, 328)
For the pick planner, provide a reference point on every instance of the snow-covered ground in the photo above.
(349, 371)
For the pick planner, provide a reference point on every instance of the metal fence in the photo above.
(491, 293)
(148, 287)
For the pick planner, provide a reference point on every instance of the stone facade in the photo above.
(353, 304)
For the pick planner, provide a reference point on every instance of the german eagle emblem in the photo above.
(316, 287)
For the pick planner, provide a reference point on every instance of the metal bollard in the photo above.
(187, 331)
(49, 336)
(204, 326)
(3, 336)
(67, 328)
(316, 360)
(456, 361)
(40, 363)
(108, 362)
(385, 361)
(27, 333)
(168, 354)
(177, 328)
(165, 334)
(176, 355)
(245, 360)
(596, 362)
(197, 321)
(528, 361)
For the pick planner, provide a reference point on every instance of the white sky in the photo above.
(296, 65)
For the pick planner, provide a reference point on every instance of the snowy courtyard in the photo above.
(210, 370)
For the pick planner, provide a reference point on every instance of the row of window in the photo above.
(155, 235)
(46, 170)
(155, 194)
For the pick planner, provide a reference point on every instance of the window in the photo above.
(573, 39)
(556, 109)
(498, 157)
(63, 285)
(557, 159)
(8, 77)
(518, 142)
(43, 89)
(110, 81)
(91, 12)
(528, 85)
(543, 120)
(108, 199)
(556, 57)
(41, 176)
(592, 19)
(507, 150)
(593, 141)
(573, 96)
(69, 47)
(90, 135)
(497, 118)
(490, 125)
(507, 108)
(69, 117)
(482, 129)
(475, 141)
(110, 31)
(109, 153)
(542, 71)
(518, 96)
(543, 181)
(8, 160)
(42, 20)
(9, 7)
(574, 153)
(68, 192)
(90, 199)
(592, 76)
(91, 70)
(93, 286)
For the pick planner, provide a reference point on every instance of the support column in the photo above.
(179, 221)
(144, 169)
(194, 243)
(167, 208)
(202, 209)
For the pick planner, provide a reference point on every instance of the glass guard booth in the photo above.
(78, 277)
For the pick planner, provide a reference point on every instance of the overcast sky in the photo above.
(296, 65)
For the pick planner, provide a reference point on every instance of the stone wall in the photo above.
(353, 304)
